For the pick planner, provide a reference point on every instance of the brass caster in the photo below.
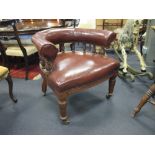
(133, 114)
(65, 122)
(44, 93)
(108, 96)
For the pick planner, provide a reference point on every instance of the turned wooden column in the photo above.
(63, 109)
(144, 100)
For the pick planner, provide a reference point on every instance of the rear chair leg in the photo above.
(63, 110)
(112, 82)
(144, 100)
(10, 83)
(44, 85)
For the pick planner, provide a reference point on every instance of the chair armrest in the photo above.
(47, 51)
(45, 48)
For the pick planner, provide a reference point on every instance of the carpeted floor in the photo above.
(90, 112)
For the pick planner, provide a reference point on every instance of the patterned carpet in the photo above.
(20, 72)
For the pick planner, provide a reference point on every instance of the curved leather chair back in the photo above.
(98, 37)
(45, 40)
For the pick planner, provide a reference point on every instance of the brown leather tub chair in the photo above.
(69, 72)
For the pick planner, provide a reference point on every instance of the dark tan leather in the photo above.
(45, 48)
(98, 37)
(46, 39)
(72, 70)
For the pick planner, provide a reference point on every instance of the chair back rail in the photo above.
(46, 40)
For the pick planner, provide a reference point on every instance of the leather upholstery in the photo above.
(46, 39)
(72, 70)
(69, 69)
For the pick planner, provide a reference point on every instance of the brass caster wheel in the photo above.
(108, 96)
(65, 122)
(44, 93)
(133, 114)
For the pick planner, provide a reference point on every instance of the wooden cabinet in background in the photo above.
(109, 24)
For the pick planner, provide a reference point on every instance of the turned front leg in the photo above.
(112, 82)
(144, 100)
(63, 110)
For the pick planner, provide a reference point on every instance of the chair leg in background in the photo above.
(144, 100)
(10, 83)
(26, 70)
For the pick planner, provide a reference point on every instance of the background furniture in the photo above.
(69, 22)
(73, 71)
(16, 36)
(146, 98)
(110, 24)
(18, 50)
(107, 23)
(149, 47)
(4, 74)
(28, 26)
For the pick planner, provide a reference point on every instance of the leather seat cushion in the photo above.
(72, 70)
